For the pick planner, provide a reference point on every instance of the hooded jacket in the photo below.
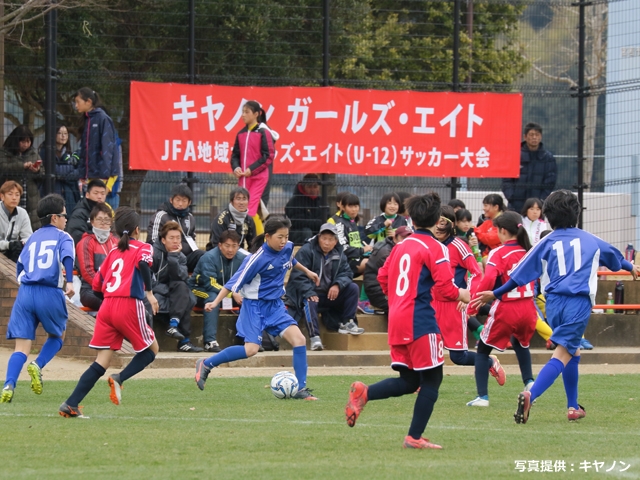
(79, 222)
(98, 150)
(166, 213)
(304, 211)
(254, 149)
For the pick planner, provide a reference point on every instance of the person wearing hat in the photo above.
(381, 251)
(305, 210)
(336, 297)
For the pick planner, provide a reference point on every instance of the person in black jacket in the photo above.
(170, 285)
(538, 171)
(79, 222)
(381, 251)
(235, 218)
(336, 297)
(305, 210)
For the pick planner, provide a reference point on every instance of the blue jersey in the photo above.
(41, 259)
(567, 261)
(261, 275)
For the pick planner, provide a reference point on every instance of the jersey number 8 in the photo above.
(402, 284)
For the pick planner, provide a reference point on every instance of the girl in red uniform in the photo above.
(124, 279)
(514, 317)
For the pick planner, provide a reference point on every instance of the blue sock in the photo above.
(49, 350)
(300, 364)
(85, 384)
(570, 379)
(174, 322)
(14, 367)
(137, 364)
(546, 377)
(229, 354)
(483, 362)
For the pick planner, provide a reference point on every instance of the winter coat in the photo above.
(209, 275)
(254, 149)
(12, 168)
(300, 287)
(165, 214)
(79, 222)
(90, 254)
(538, 173)
(167, 268)
(14, 228)
(381, 251)
(348, 236)
(98, 150)
(66, 171)
(225, 221)
(376, 229)
(304, 211)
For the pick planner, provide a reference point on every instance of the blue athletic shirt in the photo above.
(567, 261)
(261, 275)
(41, 260)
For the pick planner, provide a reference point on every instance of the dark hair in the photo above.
(530, 202)
(494, 199)
(67, 145)
(96, 183)
(87, 94)
(310, 179)
(126, 220)
(403, 196)
(463, 214)
(386, 198)
(456, 203)
(256, 108)
(275, 223)
(562, 209)
(446, 211)
(100, 207)
(52, 204)
(12, 143)
(340, 198)
(532, 126)
(10, 185)
(168, 227)
(544, 233)
(424, 210)
(183, 190)
(512, 223)
(238, 191)
(351, 199)
(229, 235)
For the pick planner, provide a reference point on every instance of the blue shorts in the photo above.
(258, 315)
(38, 304)
(568, 317)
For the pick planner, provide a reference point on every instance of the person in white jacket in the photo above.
(532, 220)
(15, 226)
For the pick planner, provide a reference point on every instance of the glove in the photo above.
(74, 159)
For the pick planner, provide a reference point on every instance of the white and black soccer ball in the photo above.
(284, 385)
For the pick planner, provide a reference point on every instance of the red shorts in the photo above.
(120, 318)
(452, 325)
(421, 354)
(517, 318)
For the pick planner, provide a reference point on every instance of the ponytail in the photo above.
(123, 243)
(126, 220)
(262, 117)
(256, 243)
(512, 223)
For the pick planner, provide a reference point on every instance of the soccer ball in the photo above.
(284, 385)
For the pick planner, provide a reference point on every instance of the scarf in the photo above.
(101, 235)
(237, 215)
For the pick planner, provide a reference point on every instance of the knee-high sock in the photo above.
(300, 364)
(86, 383)
(462, 357)
(138, 363)
(229, 354)
(49, 350)
(483, 363)
(14, 367)
(524, 360)
(422, 410)
(407, 382)
(570, 379)
(543, 329)
(546, 377)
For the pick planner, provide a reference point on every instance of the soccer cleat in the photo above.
(68, 411)
(479, 402)
(304, 394)
(189, 348)
(173, 332)
(351, 328)
(365, 307)
(202, 373)
(316, 343)
(524, 405)
(7, 394)
(36, 377)
(550, 345)
(116, 389)
(576, 414)
(410, 442)
(212, 347)
(497, 371)
(585, 344)
(358, 397)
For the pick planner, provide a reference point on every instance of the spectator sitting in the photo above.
(381, 251)
(15, 227)
(178, 209)
(305, 210)
(385, 225)
(19, 161)
(170, 284)
(214, 269)
(91, 251)
(336, 297)
(79, 222)
(234, 218)
(457, 204)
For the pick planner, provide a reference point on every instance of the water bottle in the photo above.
(476, 250)
(629, 253)
(609, 302)
(619, 296)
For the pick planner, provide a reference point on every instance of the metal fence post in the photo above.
(51, 20)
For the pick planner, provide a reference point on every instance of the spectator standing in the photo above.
(487, 233)
(19, 161)
(79, 222)
(532, 219)
(305, 210)
(538, 171)
(235, 218)
(15, 227)
(214, 269)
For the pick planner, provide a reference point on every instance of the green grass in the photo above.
(237, 429)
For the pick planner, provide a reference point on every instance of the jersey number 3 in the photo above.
(116, 270)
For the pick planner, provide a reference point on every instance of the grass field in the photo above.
(237, 429)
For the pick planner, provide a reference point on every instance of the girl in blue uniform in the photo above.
(260, 280)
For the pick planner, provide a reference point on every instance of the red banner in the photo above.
(178, 127)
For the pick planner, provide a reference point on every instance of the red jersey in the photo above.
(416, 272)
(119, 275)
(487, 233)
(463, 261)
